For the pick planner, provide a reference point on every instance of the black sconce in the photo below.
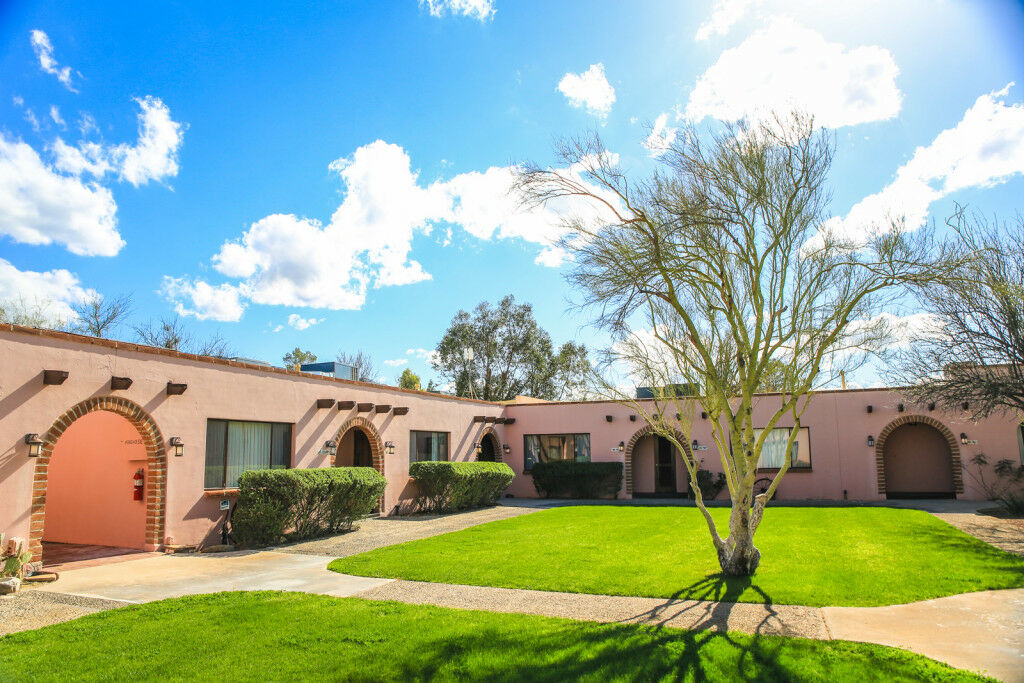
(963, 438)
(177, 446)
(331, 447)
(35, 445)
(703, 415)
(871, 409)
(695, 444)
(478, 447)
(931, 406)
(506, 449)
(607, 418)
(871, 441)
(389, 447)
(900, 408)
(632, 418)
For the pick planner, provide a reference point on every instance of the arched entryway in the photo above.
(85, 493)
(490, 450)
(653, 465)
(918, 457)
(353, 439)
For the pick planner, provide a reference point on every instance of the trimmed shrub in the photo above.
(277, 505)
(449, 486)
(571, 479)
(710, 484)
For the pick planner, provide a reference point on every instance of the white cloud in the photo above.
(299, 323)
(52, 291)
(589, 89)
(428, 355)
(44, 52)
(787, 66)
(661, 138)
(984, 149)
(56, 117)
(475, 9)
(40, 206)
(724, 15)
(204, 301)
(154, 156)
(396, 363)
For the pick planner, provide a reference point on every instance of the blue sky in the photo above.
(341, 167)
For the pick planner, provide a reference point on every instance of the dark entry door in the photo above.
(361, 454)
(664, 468)
(487, 453)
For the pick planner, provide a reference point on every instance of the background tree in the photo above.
(432, 387)
(409, 380)
(298, 357)
(33, 312)
(975, 351)
(499, 352)
(706, 275)
(170, 333)
(365, 369)
(100, 316)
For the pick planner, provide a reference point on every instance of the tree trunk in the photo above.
(737, 555)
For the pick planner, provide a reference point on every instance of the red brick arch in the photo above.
(631, 444)
(156, 466)
(492, 433)
(376, 445)
(954, 448)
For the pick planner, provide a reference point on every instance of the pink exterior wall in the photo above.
(89, 497)
(843, 466)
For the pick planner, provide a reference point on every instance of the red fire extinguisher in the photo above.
(140, 482)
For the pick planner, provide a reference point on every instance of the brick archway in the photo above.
(156, 466)
(954, 448)
(631, 444)
(376, 445)
(491, 433)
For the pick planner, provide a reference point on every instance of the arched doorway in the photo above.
(84, 492)
(919, 459)
(354, 449)
(488, 448)
(654, 466)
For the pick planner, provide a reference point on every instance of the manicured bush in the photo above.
(571, 479)
(449, 486)
(710, 484)
(277, 505)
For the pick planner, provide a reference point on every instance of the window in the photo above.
(549, 447)
(1020, 443)
(428, 446)
(773, 451)
(232, 447)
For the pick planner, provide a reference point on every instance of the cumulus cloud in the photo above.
(590, 90)
(299, 323)
(787, 66)
(724, 15)
(475, 9)
(53, 292)
(283, 259)
(985, 148)
(661, 138)
(203, 300)
(396, 362)
(40, 206)
(154, 156)
(44, 53)
(428, 355)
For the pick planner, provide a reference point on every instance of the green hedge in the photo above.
(571, 479)
(277, 505)
(448, 486)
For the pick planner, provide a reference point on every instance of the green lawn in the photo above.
(809, 556)
(295, 636)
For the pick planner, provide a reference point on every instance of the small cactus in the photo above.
(13, 560)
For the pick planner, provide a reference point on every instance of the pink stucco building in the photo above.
(140, 447)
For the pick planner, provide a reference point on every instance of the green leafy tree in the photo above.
(298, 356)
(409, 380)
(499, 352)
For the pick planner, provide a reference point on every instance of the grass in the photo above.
(809, 556)
(295, 636)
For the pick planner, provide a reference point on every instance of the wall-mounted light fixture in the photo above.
(478, 448)
(931, 406)
(871, 408)
(506, 449)
(389, 447)
(622, 444)
(632, 418)
(177, 446)
(695, 444)
(963, 438)
(35, 445)
(607, 418)
(900, 408)
(871, 441)
(703, 414)
(331, 447)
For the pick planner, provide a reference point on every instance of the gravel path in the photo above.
(804, 622)
(377, 532)
(29, 609)
(1002, 532)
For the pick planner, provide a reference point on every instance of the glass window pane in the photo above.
(281, 453)
(531, 452)
(583, 447)
(215, 432)
(248, 448)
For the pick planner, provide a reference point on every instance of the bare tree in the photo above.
(33, 312)
(98, 316)
(708, 279)
(170, 333)
(975, 353)
(366, 370)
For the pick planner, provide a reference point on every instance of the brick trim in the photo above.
(490, 432)
(631, 444)
(376, 445)
(156, 466)
(954, 449)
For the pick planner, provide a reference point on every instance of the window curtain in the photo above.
(583, 447)
(773, 452)
(249, 448)
(215, 433)
(532, 454)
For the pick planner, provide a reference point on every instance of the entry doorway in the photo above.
(488, 449)
(354, 449)
(664, 467)
(918, 463)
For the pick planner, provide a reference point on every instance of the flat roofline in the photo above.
(651, 400)
(213, 360)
